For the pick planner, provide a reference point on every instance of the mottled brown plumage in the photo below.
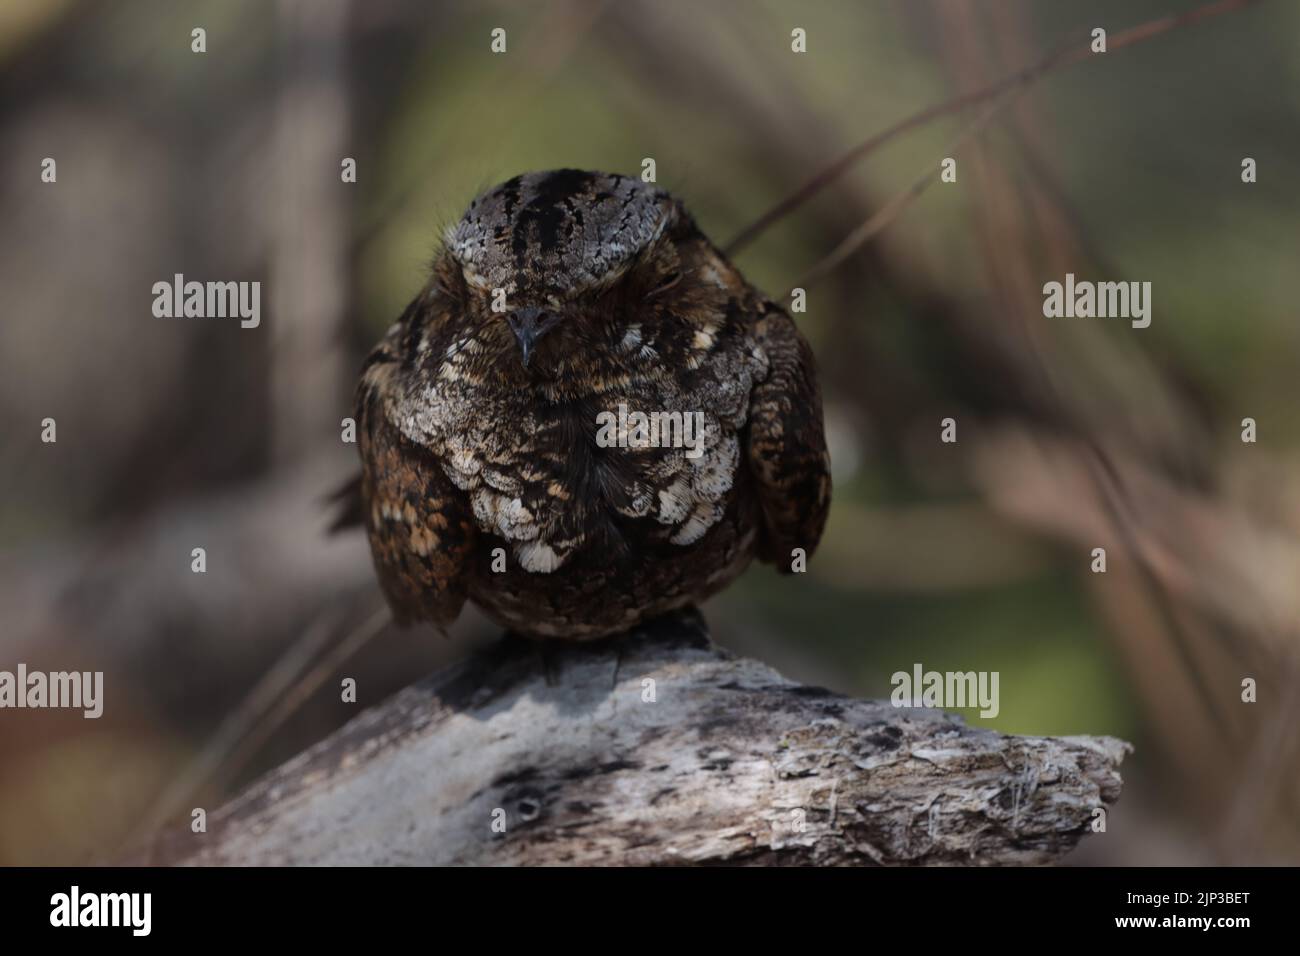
(486, 474)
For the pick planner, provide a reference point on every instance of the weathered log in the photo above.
(718, 760)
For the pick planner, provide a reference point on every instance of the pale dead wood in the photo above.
(719, 768)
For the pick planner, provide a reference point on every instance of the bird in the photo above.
(586, 418)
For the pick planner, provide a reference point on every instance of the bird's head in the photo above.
(559, 269)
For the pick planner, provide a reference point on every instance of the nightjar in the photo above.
(561, 302)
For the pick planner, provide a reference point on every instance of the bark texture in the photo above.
(729, 763)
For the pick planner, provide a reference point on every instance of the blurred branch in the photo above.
(285, 686)
(123, 591)
(1070, 53)
(309, 374)
(887, 213)
(1202, 549)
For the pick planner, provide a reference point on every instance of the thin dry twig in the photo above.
(233, 728)
(296, 695)
(1066, 55)
(279, 693)
(879, 221)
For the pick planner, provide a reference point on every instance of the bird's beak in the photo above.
(529, 325)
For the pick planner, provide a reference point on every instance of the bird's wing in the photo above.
(786, 448)
(420, 526)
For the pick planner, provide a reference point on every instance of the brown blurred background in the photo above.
(1073, 434)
